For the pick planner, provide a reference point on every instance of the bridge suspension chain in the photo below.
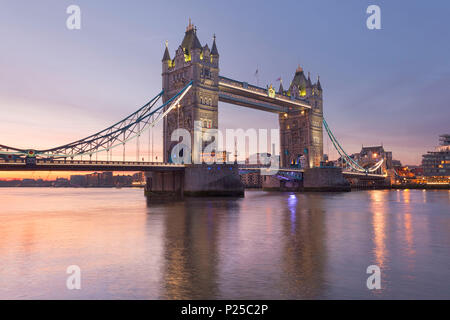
(116, 135)
(349, 160)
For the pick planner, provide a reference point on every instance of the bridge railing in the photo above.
(242, 85)
(90, 162)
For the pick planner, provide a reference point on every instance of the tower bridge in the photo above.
(299, 108)
(192, 87)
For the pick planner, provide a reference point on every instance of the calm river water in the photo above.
(263, 246)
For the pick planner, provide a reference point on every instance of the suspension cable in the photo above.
(105, 140)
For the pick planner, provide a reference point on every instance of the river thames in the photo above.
(263, 246)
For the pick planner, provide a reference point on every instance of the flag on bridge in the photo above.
(257, 76)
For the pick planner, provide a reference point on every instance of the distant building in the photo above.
(28, 183)
(61, 182)
(103, 179)
(139, 177)
(215, 157)
(78, 180)
(93, 179)
(262, 158)
(417, 171)
(123, 180)
(369, 156)
(10, 183)
(106, 179)
(374, 154)
(437, 163)
(396, 163)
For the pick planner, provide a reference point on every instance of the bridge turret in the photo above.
(316, 95)
(206, 53)
(301, 130)
(192, 47)
(166, 56)
(167, 64)
(281, 89)
(318, 85)
(309, 86)
(299, 84)
(201, 65)
(214, 52)
(316, 123)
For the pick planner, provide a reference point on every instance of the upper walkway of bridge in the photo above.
(247, 95)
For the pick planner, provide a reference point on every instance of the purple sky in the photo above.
(387, 86)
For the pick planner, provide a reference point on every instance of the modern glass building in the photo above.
(437, 163)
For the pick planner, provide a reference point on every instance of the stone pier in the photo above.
(220, 180)
(314, 179)
(164, 185)
(273, 183)
(217, 180)
(325, 179)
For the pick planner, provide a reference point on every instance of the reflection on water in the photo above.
(378, 204)
(303, 255)
(266, 245)
(407, 219)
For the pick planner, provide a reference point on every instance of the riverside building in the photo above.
(437, 163)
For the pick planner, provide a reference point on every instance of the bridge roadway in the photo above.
(363, 176)
(88, 165)
(347, 174)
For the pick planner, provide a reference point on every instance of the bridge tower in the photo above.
(301, 132)
(200, 64)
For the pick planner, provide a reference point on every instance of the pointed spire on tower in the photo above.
(281, 89)
(309, 80)
(318, 83)
(214, 50)
(190, 26)
(166, 56)
(190, 40)
(299, 81)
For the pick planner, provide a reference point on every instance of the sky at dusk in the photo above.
(388, 86)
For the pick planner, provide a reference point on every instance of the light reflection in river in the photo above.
(266, 245)
(378, 203)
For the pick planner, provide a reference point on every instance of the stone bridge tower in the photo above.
(301, 132)
(200, 64)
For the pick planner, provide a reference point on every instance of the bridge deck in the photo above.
(86, 165)
(364, 176)
(347, 174)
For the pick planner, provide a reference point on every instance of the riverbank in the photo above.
(73, 187)
(422, 186)
(406, 186)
